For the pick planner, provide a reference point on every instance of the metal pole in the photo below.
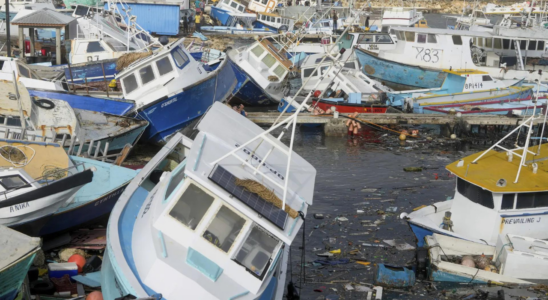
(8, 42)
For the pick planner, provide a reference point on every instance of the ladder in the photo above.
(518, 54)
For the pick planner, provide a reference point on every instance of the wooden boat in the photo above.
(18, 252)
(185, 226)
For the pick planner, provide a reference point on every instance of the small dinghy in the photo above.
(36, 179)
(212, 218)
(18, 251)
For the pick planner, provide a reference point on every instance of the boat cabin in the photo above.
(25, 74)
(370, 41)
(274, 22)
(270, 62)
(230, 13)
(324, 26)
(401, 16)
(262, 5)
(165, 72)
(231, 5)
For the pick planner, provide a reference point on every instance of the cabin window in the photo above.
(532, 45)
(488, 43)
(498, 44)
(487, 78)
(457, 40)
(409, 36)
(475, 193)
(241, 8)
(257, 51)
(522, 45)
(540, 45)
(234, 4)
(257, 251)
(192, 206)
(479, 42)
(532, 200)
(350, 65)
(269, 60)
(146, 75)
(11, 121)
(224, 229)
(383, 39)
(24, 72)
(307, 72)
(278, 20)
(12, 182)
(506, 44)
(226, 1)
(164, 66)
(81, 11)
(264, 2)
(432, 39)
(421, 38)
(130, 84)
(507, 201)
(95, 47)
(365, 39)
(279, 71)
(180, 57)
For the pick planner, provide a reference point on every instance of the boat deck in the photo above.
(40, 157)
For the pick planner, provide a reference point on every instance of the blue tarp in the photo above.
(156, 18)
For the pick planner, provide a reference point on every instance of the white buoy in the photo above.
(453, 136)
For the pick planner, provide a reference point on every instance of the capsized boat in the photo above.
(36, 178)
(466, 91)
(261, 70)
(196, 223)
(230, 12)
(496, 193)
(514, 260)
(18, 252)
(56, 119)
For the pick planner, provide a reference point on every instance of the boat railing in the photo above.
(96, 150)
(49, 175)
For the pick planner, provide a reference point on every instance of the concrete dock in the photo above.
(336, 126)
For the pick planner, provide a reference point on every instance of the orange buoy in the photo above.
(95, 295)
(79, 260)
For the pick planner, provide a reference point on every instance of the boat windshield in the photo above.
(192, 206)
(257, 251)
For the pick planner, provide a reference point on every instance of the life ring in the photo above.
(44, 103)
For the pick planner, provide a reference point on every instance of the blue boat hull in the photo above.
(248, 91)
(265, 26)
(111, 106)
(220, 15)
(12, 278)
(397, 75)
(172, 114)
(91, 71)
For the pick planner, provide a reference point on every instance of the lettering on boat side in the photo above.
(427, 55)
(259, 160)
(473, 85)
(18, 207)
(147, 207)
(169, 102)
(521, 221)
(108, 197)
(373, 47)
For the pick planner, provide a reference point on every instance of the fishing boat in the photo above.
(18, 252)
(323, 26)
(274, 22)
(36, 178)
(56, 119)
(231, 12)
(467, 91)
(261, 70)
(401, 17)
(505, 53)
(187, 224)
(496, 193)
(514, 260)
(94, 201)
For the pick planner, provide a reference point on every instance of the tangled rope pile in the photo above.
(53, 173)
(258, 188)
(16, 156)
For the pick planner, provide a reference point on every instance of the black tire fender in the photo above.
(44, 103)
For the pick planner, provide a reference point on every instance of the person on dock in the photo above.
(185, 24)
(197, 6)
(202, 6)
(197, 21)
(335, 19)
(241, 110)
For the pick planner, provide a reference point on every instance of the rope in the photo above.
(302, 272)
(17, 158)
(53, 172)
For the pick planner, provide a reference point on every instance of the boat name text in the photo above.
(427, 55)
(18, 207)
(259, 160)
(169, 102)
(521, 221)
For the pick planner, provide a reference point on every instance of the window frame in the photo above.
(123, 80)
(158, 69)
(430, 35)
(143, 83)
(6, 189)
(480, 201)
(206, 214)
(455, 39)
(422, 38)
(179, 51)
(244, 230)
(98, 43)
